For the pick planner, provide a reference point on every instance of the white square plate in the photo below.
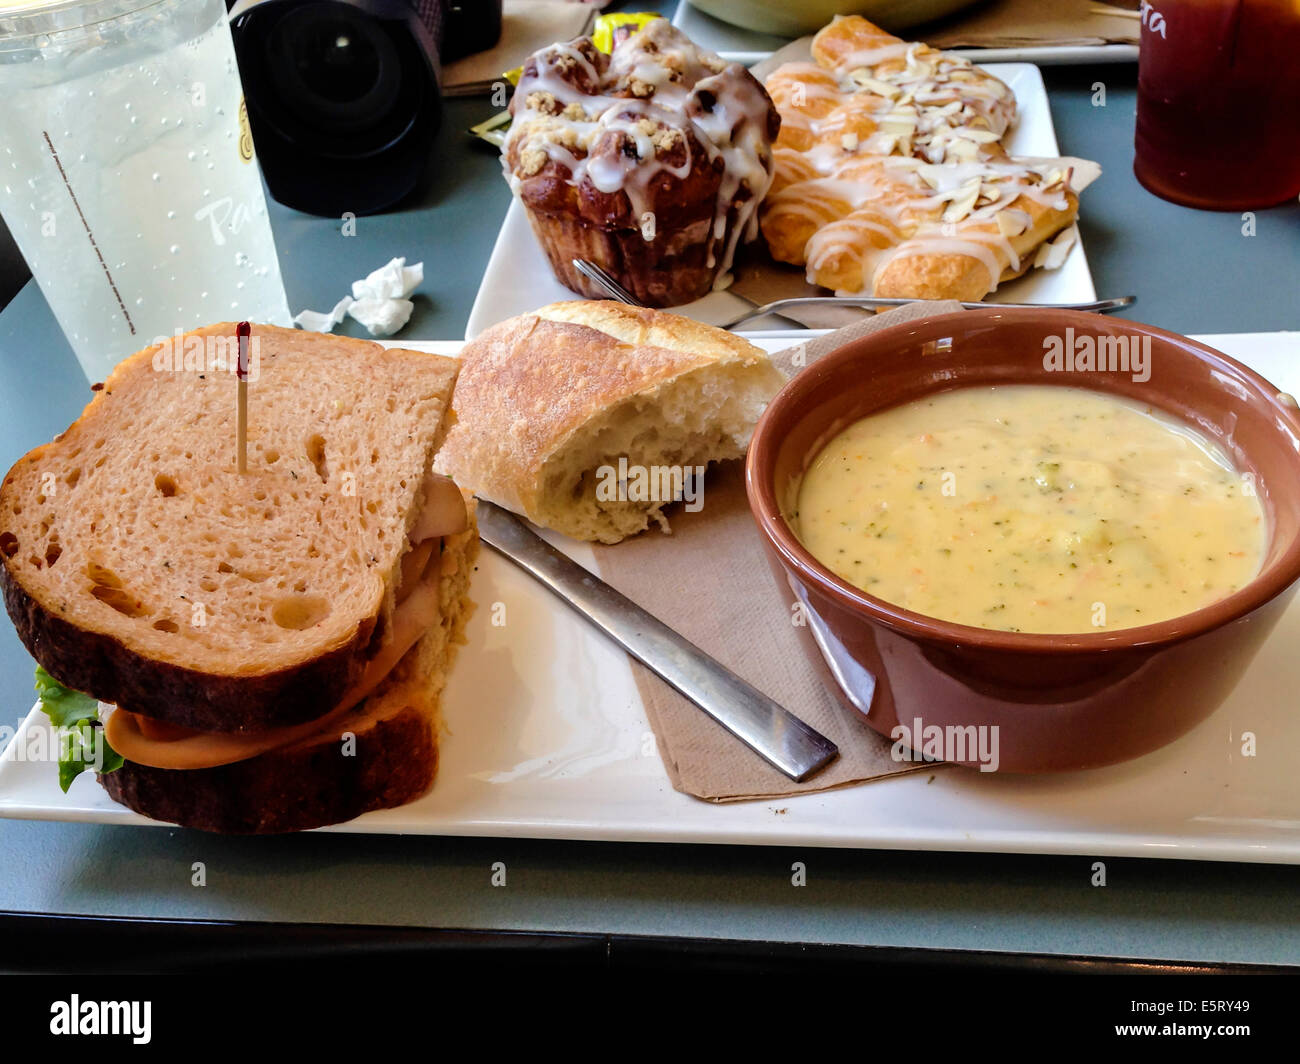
(518, 277)
(547, 738)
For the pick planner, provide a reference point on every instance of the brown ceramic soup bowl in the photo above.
(1054, 702)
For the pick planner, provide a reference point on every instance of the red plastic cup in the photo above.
(1218, 115)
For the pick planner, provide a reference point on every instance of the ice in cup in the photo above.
(127, 174)
(1218, 115)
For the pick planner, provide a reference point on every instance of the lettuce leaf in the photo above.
(81, 741)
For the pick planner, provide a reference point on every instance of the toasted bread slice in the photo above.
(141, 567)
(391, 759)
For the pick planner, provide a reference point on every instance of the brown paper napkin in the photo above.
(710, 581)
(526, 25)
(1008, 23)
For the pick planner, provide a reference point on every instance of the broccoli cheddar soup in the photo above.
(1031, 508)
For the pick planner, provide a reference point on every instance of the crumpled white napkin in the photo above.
(378, 301)
(315, 321)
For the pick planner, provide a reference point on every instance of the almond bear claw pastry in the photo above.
(891, 178)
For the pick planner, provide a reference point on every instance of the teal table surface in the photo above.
(1192, 271)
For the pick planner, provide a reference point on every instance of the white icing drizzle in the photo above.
(658, 95)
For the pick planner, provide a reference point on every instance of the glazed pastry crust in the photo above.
(891, 178)
(650, 162)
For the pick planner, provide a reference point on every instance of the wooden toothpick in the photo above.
(244, 331)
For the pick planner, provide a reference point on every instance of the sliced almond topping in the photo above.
(963, 150)
(881, 88)
(883, 144)
(1012, 222)
(932, 175)
(916, 66)
(849, 142)
(964, 203)
(1051, 256)
(980, 136)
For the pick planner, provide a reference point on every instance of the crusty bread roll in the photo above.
(547, 404)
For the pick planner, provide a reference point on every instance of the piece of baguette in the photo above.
(133, 526)
(547, 403)
(391, 760)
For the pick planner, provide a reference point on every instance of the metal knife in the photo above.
(767, 728)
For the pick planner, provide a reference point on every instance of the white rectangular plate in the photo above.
(547, 738)
(518, 277)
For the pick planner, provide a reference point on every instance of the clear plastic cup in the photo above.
(126, 171)
(1218, 115)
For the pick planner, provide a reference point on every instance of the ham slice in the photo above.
(444, 511)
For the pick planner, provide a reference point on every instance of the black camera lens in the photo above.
(331, 66)
(342, 98)
(334, 79)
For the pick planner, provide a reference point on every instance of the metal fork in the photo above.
(600, 277)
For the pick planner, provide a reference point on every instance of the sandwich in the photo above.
(592, 417)
(258, 651)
